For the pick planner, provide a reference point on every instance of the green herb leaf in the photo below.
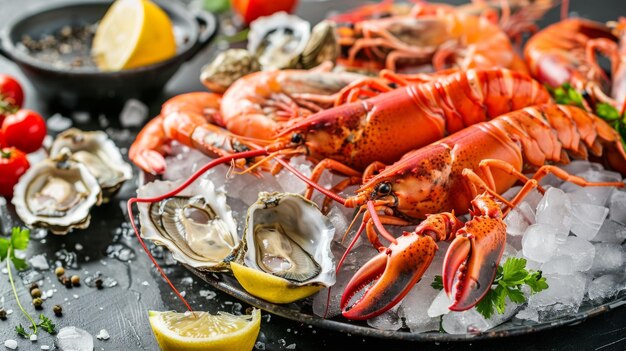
(607, 112)
(4, 248)
(510, 278)
(18, 263)
(437, 284)
(47, 324)
(22, 332)
(20, 238)
(485, 306)
(513, 271)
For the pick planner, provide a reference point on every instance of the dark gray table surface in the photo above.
(122, 310)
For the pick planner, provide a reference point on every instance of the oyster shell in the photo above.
(226, 68)
(197, 225)
(287, 236)
(99, 154)
(278, 40)
(322, 46)
(57, 194)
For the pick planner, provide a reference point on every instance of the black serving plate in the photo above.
(86, 86)
(301, 311)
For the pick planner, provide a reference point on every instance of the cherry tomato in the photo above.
(13, 164)
(250, 10)
(11, 96)
(2, 141)
(25, 130)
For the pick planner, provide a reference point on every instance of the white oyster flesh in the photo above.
(287, 236)
(196, 225)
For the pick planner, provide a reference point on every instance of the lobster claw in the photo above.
(398, 269)
(472, 261)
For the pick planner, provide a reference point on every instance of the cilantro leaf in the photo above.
(20, 238)
(22, 332)
(437, 284)
(4, 248)
(485, 306)
(47, 324)
(516, 295)
(536, 282)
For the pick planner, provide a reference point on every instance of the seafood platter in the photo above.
(409, 170)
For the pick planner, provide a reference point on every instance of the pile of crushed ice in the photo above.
(574, 235)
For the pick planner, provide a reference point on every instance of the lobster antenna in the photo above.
(378, 223)
(352, 223)
(305, 179)
(343, 258)
(174, 192)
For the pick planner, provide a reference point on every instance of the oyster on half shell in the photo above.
(99, 154)
(57, 194)
(196, 225)
(288, 237)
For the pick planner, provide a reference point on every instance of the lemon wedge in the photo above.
(204, 331)
(269, 287)
(133, 33)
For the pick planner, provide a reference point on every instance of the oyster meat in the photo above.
(57, 194)
(196, 226)
(99, 154)
(278, 40)
(287, 236)
(226, 68)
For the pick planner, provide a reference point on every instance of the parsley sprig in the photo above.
(18, 241)
(510, 278)
(567, 95)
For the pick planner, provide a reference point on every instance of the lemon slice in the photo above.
(133, 33)
(269, 287)
(203, 331)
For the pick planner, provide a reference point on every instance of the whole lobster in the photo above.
(354, 134)
(468, 168)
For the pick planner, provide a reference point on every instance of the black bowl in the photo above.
(85, 86)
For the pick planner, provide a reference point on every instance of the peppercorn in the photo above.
(37, 302)
(59, 271)
(58, 310)
(35, 292)
(99, 283)
(75, 280)
(3, 314)
(33, 286)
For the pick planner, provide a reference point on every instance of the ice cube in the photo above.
(580, 167)
(518, 220)
(74, 339)
(609, 258)
(58, 123)
(39, 262)
(591, 195)
(322, 299)
(579, 250)
(555, 209)
(289, 182)
(439, 306)
(559, 265)
(540, 242)
(618, 207)
(471, 321)
(605, 286)
(133, 114)
(512, 192)
(564, 296)
(415, 306)
(386, 321)
(587, 219)
(611, 232)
